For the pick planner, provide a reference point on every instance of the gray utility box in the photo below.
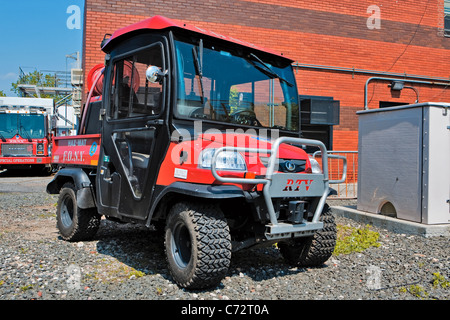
(404, 162)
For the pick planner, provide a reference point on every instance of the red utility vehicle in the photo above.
(25, 137)
(196, 133)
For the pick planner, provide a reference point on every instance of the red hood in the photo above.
(194, 148)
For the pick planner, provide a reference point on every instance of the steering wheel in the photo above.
(245, 116)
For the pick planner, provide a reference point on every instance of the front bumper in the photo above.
(285, 185)
(4, 161)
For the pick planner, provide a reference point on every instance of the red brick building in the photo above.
(337, 45)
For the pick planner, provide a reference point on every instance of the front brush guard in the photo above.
(286, 185)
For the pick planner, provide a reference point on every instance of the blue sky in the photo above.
(37, 35)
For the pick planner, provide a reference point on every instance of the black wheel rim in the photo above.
(67, 212)
(181, 245)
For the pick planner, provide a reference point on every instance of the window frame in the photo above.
(111, 84)
(446, 8)
(177, 115)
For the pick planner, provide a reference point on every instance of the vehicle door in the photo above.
(134, 134)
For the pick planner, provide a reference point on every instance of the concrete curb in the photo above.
(392, 224)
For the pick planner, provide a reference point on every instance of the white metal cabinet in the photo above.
(404, 162)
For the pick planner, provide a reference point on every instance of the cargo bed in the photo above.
(76, 150)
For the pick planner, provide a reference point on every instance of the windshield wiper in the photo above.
(26, 132)
(198, 62)
(268, 69)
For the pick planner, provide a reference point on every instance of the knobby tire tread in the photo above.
(315, 250)
(87, 221)
(213, 251)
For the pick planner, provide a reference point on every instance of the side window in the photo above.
(132, 95)
(447, 18)
(135, 148)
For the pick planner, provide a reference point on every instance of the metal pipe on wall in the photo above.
(408, 78)
(372, 72)
(396, 79)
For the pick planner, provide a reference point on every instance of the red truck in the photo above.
(25, 133)
(197, 134)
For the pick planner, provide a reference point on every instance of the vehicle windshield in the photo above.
(28, 126)
(230, 87)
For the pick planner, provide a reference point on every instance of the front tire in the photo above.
(74, 223)
(312, 251)
(198, 245)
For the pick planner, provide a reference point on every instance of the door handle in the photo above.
(155, 122)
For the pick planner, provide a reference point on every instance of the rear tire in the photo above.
(74, 223)
(198, 245)
(312, 251)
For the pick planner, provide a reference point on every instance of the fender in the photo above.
(203, 191)
(81, 181)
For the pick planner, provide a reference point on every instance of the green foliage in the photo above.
(419, 292)
(36, 78)
(26, 287)
(234, 99)
(112, 272)
(23, 250)
(439, 281)
(2, 94)
(47, 214)
(136, 273)
(351, 239)
(416, 290)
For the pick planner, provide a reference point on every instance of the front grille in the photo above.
(292, 165)
(286, 165)
(17, 150)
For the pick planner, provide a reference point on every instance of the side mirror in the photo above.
(154, 74)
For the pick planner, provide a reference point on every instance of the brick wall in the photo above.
(333, 33)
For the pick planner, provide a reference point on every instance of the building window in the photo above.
(447, 18)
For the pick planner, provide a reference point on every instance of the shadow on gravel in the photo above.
(143, 250)
(134, 245)
(23, 173)
(264, 264)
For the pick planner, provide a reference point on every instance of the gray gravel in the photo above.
(126, 262)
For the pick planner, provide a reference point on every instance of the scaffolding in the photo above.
(66, 90)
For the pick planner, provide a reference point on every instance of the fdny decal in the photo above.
(81, 150)
(93, 149)
(73, 156)
(291, 186)
(77, 142)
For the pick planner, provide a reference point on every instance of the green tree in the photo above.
(2, 94)
(36, 78)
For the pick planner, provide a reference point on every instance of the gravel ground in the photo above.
(126, 262)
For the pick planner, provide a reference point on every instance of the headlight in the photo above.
(40, 148)
(315, 166)
(226, 160)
